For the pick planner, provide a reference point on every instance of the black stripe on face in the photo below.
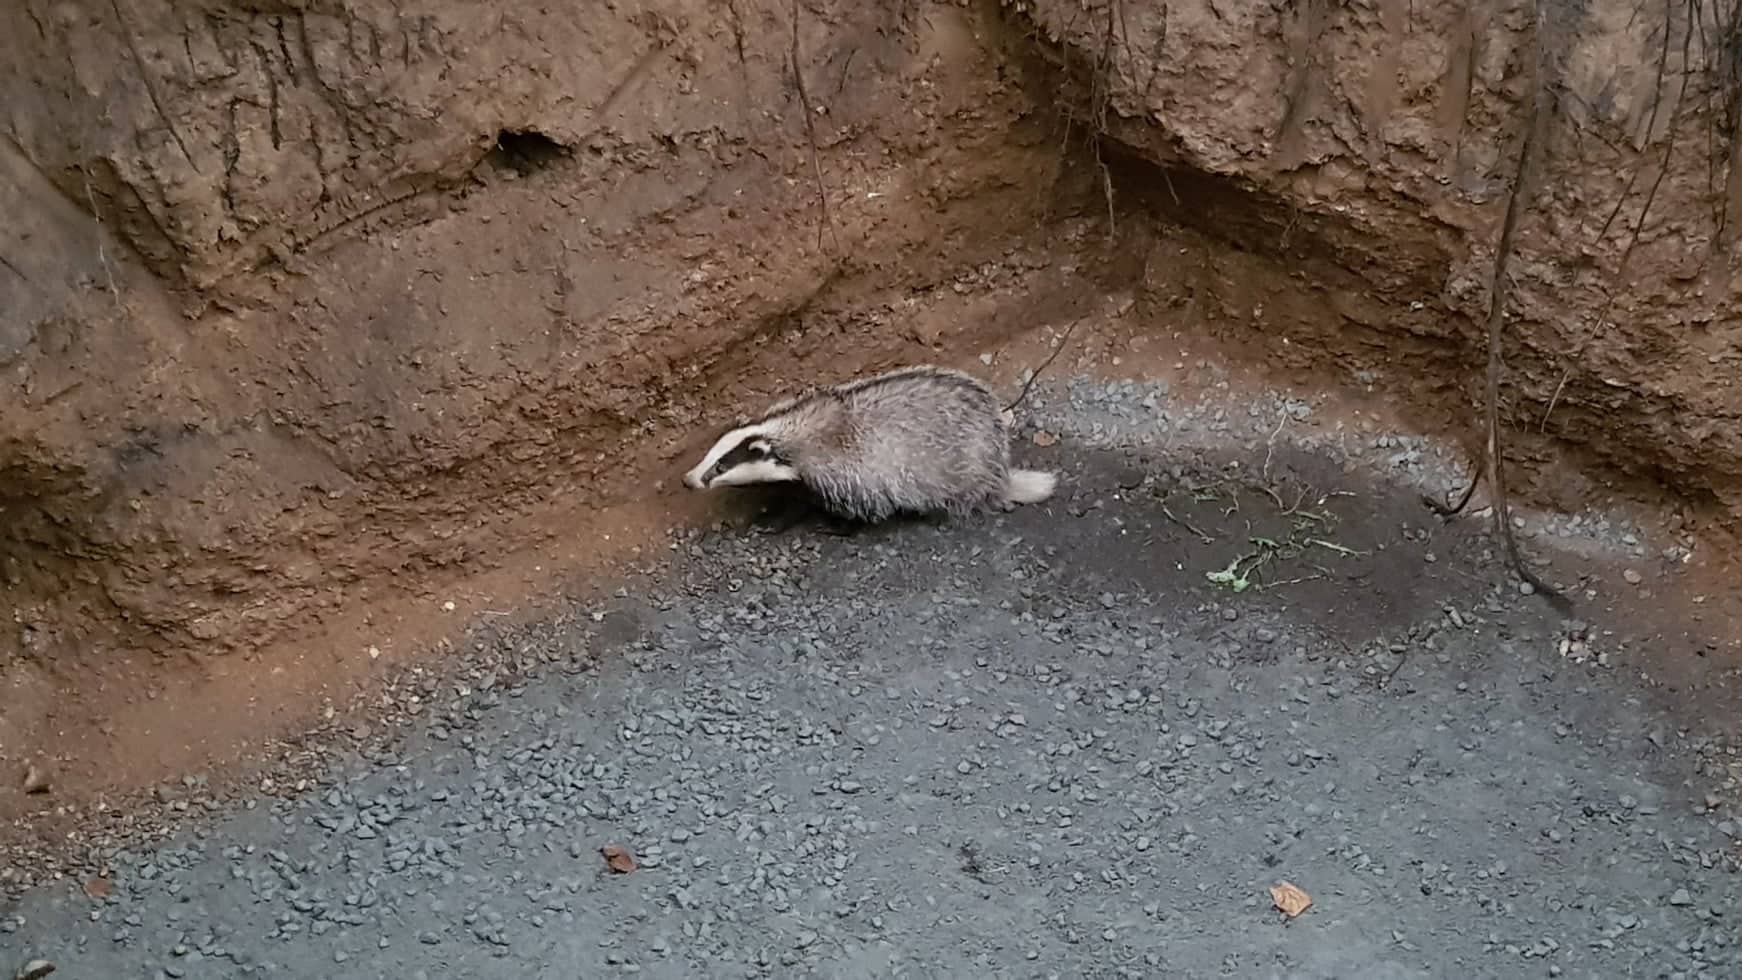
(748, 451)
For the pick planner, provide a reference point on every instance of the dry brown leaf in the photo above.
(618, 858)
(1289, 899)
(1043, 438)
(98, 887)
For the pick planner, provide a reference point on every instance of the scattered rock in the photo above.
(1632, 576)
(34, 970)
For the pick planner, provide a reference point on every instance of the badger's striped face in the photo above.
(742, 457)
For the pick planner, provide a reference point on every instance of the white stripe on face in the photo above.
(761, 471)
(696, 479)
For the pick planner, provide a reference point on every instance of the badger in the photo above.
(922, 441)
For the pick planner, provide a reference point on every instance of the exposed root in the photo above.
(1102, 97)
(102, 254)
(810, 132)
(1724, 69)
(1200, 535)
(1452, 510)
(1516, 201)
(1035, 374)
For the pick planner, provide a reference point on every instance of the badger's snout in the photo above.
(693, 480)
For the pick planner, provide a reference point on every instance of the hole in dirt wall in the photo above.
(526, 151)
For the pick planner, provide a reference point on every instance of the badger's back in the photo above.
(917, 439)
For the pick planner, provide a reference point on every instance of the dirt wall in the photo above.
(307, 301)
(1363, 153)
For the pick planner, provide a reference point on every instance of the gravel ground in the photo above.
(1038, 745)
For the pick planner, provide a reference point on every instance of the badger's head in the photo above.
(746, 456)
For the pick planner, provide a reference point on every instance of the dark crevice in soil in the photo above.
(526, 152)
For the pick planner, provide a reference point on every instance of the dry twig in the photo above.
(1035, 375)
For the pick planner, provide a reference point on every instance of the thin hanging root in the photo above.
(1498, 294)
(810, 132)
(1056, 351)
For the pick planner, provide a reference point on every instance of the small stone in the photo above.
(1525, 588)
(1680, 897)
(1632, 577)
(35, 970)
(35, 779)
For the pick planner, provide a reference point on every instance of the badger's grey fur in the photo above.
(916, 440)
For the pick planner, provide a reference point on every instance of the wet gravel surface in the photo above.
(1037, 745)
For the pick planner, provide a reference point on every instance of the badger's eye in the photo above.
(758, 449)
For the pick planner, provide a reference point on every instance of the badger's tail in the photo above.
(1030, 486)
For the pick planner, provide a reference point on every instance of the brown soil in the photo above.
(323, 316)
